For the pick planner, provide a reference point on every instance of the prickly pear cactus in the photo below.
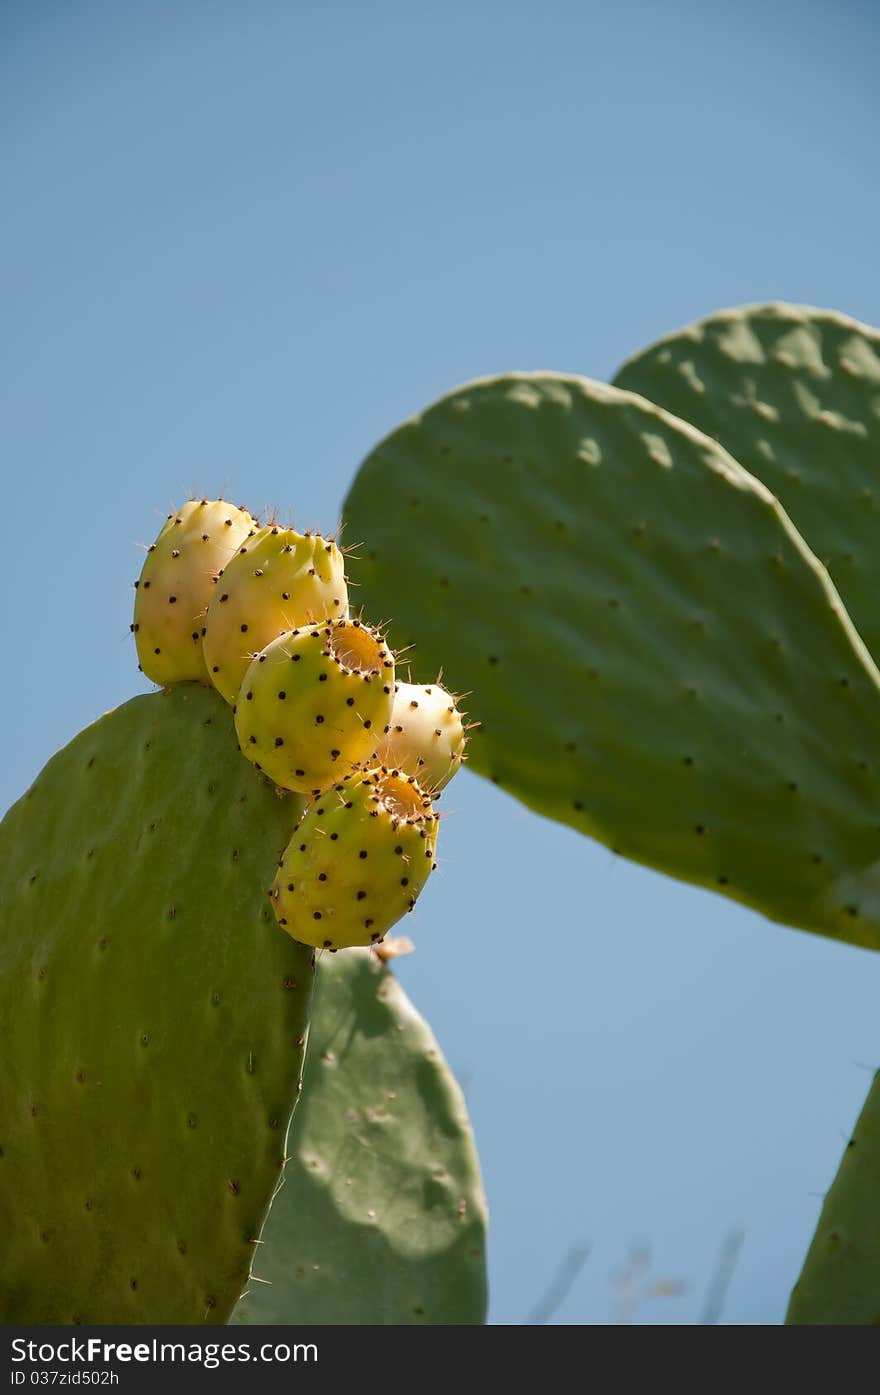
(277, 580)
(176, 584)
(357, 861)
(840, 1280)
(381, 1217)
(793, 393)
(154, 1020)
(656, 657)
(315, 702)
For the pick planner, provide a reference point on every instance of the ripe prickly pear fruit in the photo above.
(176, 584)
(425, 736)
(357, 861)
(277, 580)
(314, 704)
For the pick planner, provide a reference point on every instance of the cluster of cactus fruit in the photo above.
(262, 613)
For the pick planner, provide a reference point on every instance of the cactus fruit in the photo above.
(315, 703)
(176, 584)
(277, 580)
(382, 1216)
(714, 712)
(426, 735)
(357, 861)
(792, 393)
(153, 1017)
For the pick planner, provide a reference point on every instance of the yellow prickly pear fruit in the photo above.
(425, 735)
(314, 704)
(176, 584)
(357, 861)
(277, 580)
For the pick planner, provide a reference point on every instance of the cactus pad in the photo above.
(277, 580)
(381, 1217)
(154, 1019)
(654, 654)
(794, 394)
(840, 1280)
(357, 862)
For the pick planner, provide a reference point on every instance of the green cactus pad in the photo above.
(840, 1280)
(794, 394)
(153, 1017)
(381, 1218)
(654, 654)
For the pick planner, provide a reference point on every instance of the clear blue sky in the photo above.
(243, 241)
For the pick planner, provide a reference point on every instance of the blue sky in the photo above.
(241, 243)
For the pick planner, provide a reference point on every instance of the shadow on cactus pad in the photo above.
(381, 1217)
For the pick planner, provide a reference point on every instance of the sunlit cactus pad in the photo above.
(655, 655)
(153, 1020)
(794, 394)
(381, 1217)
